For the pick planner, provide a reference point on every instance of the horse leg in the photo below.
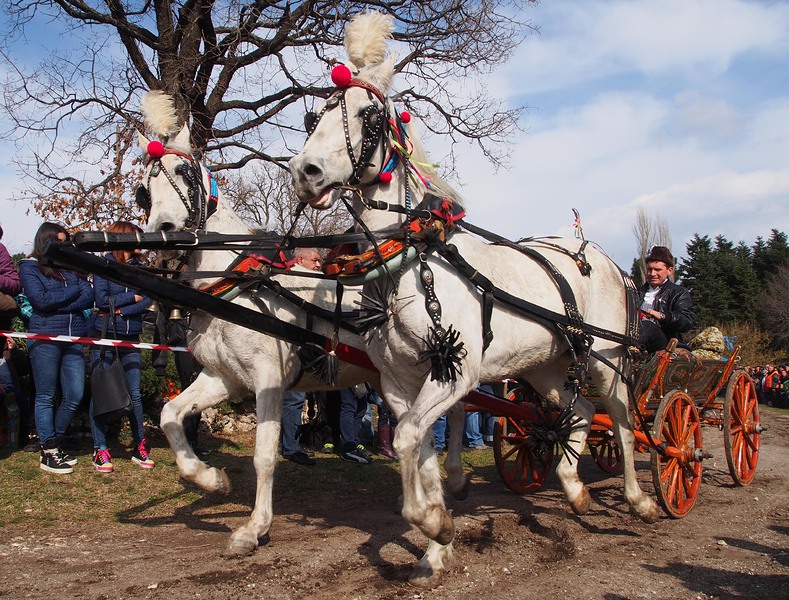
(423, 497)
(613, 393)
(549, 383)
(246, 538)
(457, 481)
(206, 391)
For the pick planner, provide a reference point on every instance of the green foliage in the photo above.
(721, 279)
(770, 256)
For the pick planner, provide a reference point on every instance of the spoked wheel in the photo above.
(677, 474)
(741, 428)
(605, 451)
(522, 470)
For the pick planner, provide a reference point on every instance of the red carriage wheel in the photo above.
(741, 428)
(677, 474)
(521, 469)
(606, 451)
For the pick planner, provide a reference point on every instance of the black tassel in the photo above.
(445, 354)
(549, 433)
(374, 308)
(324, 365)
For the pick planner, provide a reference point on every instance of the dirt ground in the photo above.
(340, 545)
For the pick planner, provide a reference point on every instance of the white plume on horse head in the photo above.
(159, 114)
(366, 37)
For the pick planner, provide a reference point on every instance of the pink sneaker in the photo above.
(142, 458)
(103, 461)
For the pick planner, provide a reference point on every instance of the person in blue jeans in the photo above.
(292, 408)
(58, 299)
(352, 408)
(125, 324)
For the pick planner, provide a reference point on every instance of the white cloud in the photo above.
(581, 42)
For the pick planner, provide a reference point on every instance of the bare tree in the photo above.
(242, 74)
(263, 197)
(773, 308)
(649, 231)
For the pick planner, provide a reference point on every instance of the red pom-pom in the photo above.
(405, 116)
(155, 149)
(385, 178)
(341, 76)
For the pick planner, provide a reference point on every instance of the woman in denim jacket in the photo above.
(58, 298)
(125, 324)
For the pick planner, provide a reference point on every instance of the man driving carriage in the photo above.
(666, 307)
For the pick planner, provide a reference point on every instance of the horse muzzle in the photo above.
(311, 183)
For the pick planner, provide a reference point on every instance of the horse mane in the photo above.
(366, 37)
(419, 156)
(159, 115)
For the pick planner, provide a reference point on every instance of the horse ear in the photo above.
(380, 75)
(182, 139)
(142, 141)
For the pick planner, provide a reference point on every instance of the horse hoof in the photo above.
(649, 514)
(462, 493)
(222, 483)
(238, 549)
(425, 577)
(582, 503)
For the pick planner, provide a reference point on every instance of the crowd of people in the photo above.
(772, 384)
(62, 302)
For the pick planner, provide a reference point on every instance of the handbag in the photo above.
(108, 387)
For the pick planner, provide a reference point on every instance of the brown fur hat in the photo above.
(662, 254)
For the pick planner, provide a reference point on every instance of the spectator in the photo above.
(9, 382)
(58, 298)
(307, 259)
(292, 409)
(472, 431)
(666, 308)
(387, 423)
(10, 286)
(124, 324)
(353, 404)
(172, 332)
(440, 434)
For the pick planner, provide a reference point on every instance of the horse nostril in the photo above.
(313, 171)
(166, 227)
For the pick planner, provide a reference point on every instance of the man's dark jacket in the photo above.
(675, 303)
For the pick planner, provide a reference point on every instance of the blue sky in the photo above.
(679, 106)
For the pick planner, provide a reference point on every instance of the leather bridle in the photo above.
(199, 202)
(374, 120)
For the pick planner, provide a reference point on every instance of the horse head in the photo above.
(176, 192)
(360, 108)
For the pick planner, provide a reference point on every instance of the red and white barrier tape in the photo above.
(92, 341)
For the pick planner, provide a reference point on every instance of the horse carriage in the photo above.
(676, 394)
(442, 306)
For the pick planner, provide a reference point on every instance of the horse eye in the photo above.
(143, 199)
(179, 170)
(310, 121)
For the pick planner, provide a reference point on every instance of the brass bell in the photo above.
(175, 315)
(153, 307)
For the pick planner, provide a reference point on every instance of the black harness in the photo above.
(199, 202)
(374, 117)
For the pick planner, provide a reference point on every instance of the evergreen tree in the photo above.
(697, 273)
(721, 280)
(770, 256)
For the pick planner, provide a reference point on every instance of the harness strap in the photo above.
(544, 316)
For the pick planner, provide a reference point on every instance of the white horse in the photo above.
(235, 360)
(346, 154)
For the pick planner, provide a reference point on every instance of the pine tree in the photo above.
(770, 256)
